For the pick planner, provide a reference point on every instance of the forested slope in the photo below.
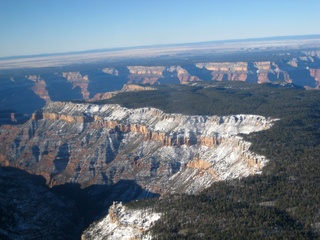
(283, 202)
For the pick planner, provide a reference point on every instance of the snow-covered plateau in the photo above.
(103, 144)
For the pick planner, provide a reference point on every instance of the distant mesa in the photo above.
(111, 71)
(38, 87)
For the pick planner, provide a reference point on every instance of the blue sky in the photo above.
(50, 26)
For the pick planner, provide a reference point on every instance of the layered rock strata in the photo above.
(234, 71)
(145, 74)
(182, 74)
(77, 80)
(39, 87)
(125, 88)
(152, 74)
(164, 153)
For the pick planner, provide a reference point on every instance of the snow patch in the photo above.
(122, 223)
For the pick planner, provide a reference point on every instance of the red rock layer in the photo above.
(39, 87)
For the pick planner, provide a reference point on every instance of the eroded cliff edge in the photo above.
(103, 144)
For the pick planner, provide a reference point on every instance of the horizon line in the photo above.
(291, 37)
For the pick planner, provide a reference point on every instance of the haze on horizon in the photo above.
(37, 27)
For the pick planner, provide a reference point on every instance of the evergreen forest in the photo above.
(281, 203)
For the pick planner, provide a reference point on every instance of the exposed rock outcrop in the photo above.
(125, 88)
(263, 70)
(77, 80)
(92, 144)
(39, 87)
(182, 74)
(235, 71)
(122, 223)
(293, 62)
(145, 74)
(111, 71)
(277, 71)
(152, 74)
(316, 74)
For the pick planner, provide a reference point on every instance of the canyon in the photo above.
(93, 154)
(111, 153)
(73, 150)
(35, 88)
(103, 144)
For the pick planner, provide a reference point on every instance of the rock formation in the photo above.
(122, 223)
(236, 71)
(39, 87)
(163, 153)
(77, 80)
(293, 62)
(263, 70)
(111, 71)
(315, 73)
(152, 74)
(182, 74)
(145, 74)
(125, 88)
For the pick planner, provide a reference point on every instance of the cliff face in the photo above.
(163, 153)
(77, 80)
(263, 70)
(122, 223)
(315, 73)
(39, 87)
(182, 74)
(260, 72)
(151, 75)
(126, 88)
(236, 71)
(145, 74)
(101, 83)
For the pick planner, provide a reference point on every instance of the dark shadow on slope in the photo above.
(11, 117)
(301, 77)
(272, 77)
(169, 78)
(17, 95)
(93, 202)
(202, 73)
(36, 152)
(62, 159)
(59, 88)
(61, 212)
(30, 210)
(225, 77)
(112, 147)
(100, 82)
(252, 73)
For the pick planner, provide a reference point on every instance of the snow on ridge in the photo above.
(122, 223)
(156, 120)
(192, 151)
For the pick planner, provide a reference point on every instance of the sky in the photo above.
(29, 27)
